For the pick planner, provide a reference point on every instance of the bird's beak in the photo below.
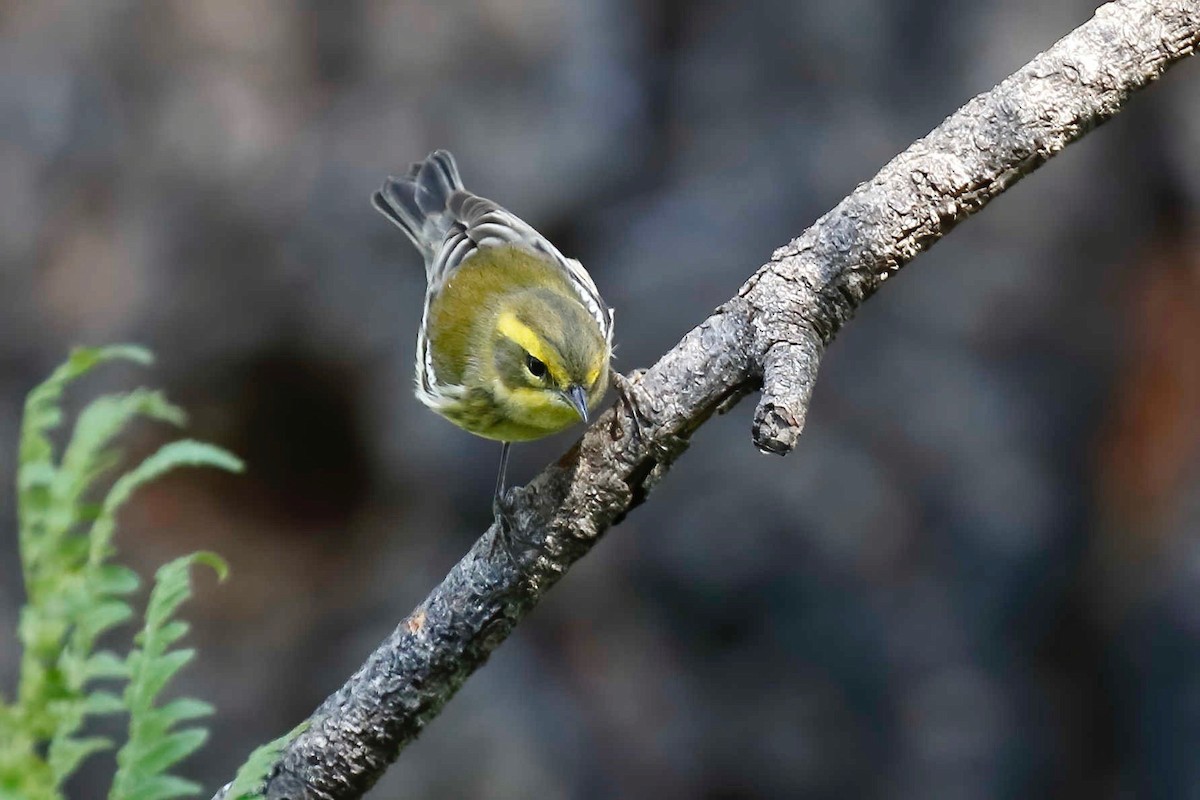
(578, 400)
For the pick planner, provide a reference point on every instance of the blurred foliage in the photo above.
(76, 593)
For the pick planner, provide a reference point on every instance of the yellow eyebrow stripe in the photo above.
(513, 329)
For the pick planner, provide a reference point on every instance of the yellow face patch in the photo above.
(594, 373)
(530, 413)
(513, 329)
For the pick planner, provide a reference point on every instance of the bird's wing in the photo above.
(481, 223)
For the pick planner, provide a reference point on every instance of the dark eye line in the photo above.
(536, 368)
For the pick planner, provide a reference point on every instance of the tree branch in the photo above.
(771, 335)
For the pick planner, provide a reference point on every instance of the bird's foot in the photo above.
(635, 400)
(505, 519)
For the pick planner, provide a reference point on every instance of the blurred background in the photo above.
(979, 575)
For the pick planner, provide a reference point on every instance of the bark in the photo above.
(770, 336)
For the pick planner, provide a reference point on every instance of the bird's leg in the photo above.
(502, 510)
(504, 448)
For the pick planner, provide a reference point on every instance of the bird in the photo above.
(515, 340)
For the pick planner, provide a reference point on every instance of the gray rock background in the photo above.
(978, 577)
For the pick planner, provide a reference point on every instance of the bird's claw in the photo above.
(633, 397)
(505, 518)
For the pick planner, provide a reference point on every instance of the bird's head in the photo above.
(550, 357)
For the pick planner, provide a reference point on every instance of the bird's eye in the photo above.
(536, 368)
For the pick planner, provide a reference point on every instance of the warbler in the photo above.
(515, 340)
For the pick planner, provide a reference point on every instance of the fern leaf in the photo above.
(162, 787)
(103, 616)
(116, 580)
(105, 664)
(102, 703)
(42, 415)
(66, 754)
(40, 514)
(75, 595)
(169, 750)
(86, 457)
(251, 778)
(153, 746)
(182, 709)
(185, 452)
(150, 673)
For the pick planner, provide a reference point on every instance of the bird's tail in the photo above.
(417, 202)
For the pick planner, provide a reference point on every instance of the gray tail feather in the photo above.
(417, 202)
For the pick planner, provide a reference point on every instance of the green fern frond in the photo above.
(75, 594)
(42, 512)
(251, 778)
(154, 744)
(86, 458)
(36, 469)
(51, 703)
